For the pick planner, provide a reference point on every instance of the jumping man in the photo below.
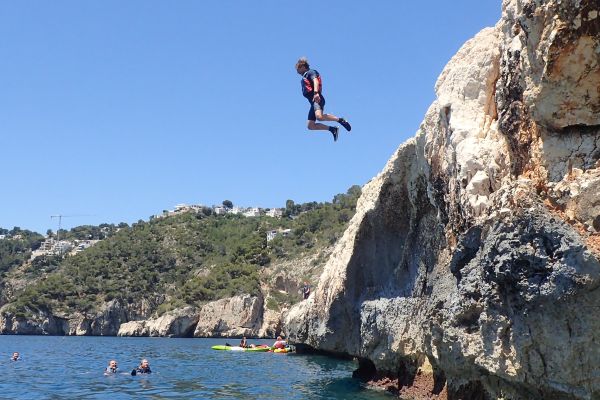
(312, 89)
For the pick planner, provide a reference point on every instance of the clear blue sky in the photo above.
(120, 109)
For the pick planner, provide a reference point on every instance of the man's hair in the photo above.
(302, 62)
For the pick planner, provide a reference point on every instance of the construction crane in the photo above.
(60, 217)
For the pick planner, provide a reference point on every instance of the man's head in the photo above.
(112, 364)
(279, 338)
(302, 65)
(144, 363)
(15, 355)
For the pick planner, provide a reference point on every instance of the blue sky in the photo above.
(116, 110)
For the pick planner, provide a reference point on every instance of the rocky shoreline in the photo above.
(237, 316)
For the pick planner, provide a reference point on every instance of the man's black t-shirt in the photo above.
(308, 90)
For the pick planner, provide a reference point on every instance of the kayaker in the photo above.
(280, 343)
(144, 368)
(243, 342)
(112, 368)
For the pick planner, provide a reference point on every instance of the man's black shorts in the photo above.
(316, 106)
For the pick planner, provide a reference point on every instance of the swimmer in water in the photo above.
(144, 368)
(15, 356)
(112, 368)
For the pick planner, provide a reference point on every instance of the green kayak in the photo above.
(238, 348)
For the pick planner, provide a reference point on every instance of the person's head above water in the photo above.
(112, 364)
(144, 363)
(302, 65)
(15, 356)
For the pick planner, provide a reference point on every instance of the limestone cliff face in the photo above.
(177, 323)
(473, 255)
(235, 316)
(230, 317)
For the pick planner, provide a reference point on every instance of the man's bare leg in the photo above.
(315, 126)
(325, 117)
(330, 117)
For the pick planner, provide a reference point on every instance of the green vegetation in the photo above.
(189, 258)
(16, 247)
(90, 232)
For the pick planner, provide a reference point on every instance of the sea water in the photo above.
(55, 367)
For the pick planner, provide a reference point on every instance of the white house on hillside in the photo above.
(273, 234)
(237, 210)
(252, 212)
(275, 212)
(220, 210)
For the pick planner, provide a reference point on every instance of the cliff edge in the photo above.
(472, 261)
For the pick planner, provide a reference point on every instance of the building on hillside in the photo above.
(252, 212)
(47, 245)
(275, 212)
(181, 208)
(274, 233)
(62, 247)
(81, 245)
(271, 235)
(220, 210)
(51, 247)
(2, 237)
(237, 210)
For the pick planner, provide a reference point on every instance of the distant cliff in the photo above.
(190, 274)
(470, 269)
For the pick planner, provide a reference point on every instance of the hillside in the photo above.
(168, 263)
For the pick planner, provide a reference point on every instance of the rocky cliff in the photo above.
(470, 269)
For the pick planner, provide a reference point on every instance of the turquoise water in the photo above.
(72, 367)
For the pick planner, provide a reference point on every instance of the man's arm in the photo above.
(316, 87)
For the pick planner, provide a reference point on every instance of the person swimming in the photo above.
(16, 356)
(112, 368)
(144, 368)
